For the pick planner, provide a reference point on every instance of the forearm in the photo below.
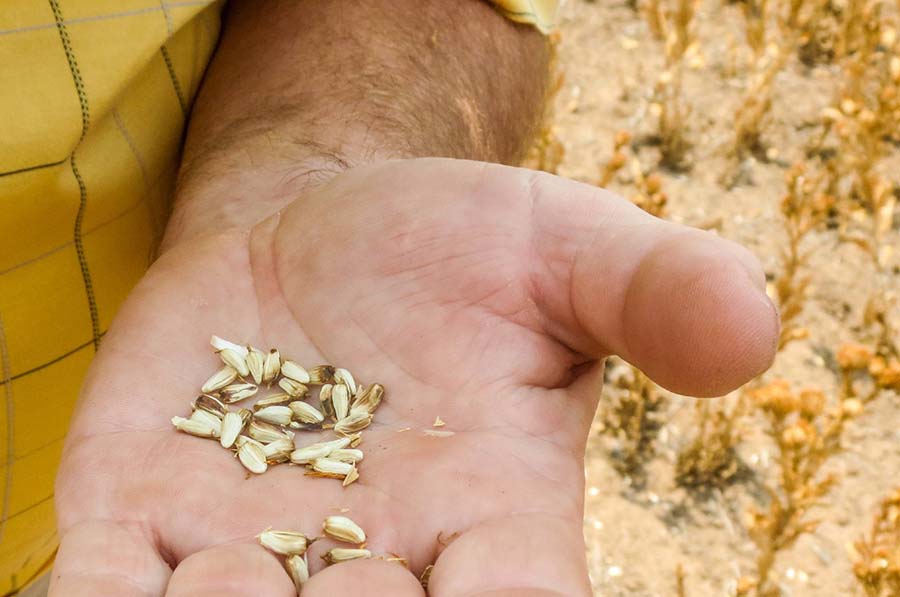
(299, 91)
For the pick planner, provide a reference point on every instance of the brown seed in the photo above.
(210, 404)
(369, 397)
(426, 576)
(325, 404)
(357, 420)
(306, 413)
(294, 388)
(321, 374)
(237, 392)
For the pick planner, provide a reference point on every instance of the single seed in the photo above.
(220, 344)
(369, 397)
(345, 377)
(286, 543)
(237, 392)
(272, 366)
(292, 370)
(243, 439)
(235, 360)
(298, 568)
(294, 388)
(321, 374)
(280, 399)
(253, 457)
(341, 528)
(278, 451)
(256, 361)
(232, 425)
(357, 420)
(325, 400)
(310, 453)
(277, 415)
(340, 398)
(196, 428)
(210, 404)
(266, 432)
(306, 413)
(348, 455)
(342, 554)
(219, 380)
(330, 467)
(201, 416)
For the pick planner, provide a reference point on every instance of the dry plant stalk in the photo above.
(750, 117)
(547, 151)
(617, 160)
(710, 458)
(756, 14)
(877, 561)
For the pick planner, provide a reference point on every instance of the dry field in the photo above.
(775, 123)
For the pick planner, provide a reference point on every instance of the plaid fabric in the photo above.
(93, 100)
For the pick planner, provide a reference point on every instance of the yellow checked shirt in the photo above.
(94, 95)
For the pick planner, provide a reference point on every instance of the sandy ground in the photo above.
(637, 538)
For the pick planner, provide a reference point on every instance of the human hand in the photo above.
(483, 294)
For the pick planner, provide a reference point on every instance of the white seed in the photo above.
(201, 416)
(219, 380)
(342, 554)
(310, 453)
(293, 388)
(192, 427)
(357, 420)
(243, 439)
(331, 467)
(294, 371)
(345, 377)
(256, 361)
(232, 425)
(340, 398)
(369, 397)
(298, 568)
(210, 404)
(348, 455)
(266, 432)
(341, 528)
(235, 360)
(272, 366)
(237, 392)
(321, 374)
(286, 543)
(278, 451)
(306, 413)
(253, 457)
(278, 415)
(280, 399)
(220, 344)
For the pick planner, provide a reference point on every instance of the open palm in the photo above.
(482, 294)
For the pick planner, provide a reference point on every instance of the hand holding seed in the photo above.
(481, 297)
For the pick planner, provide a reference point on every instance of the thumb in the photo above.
(686, 307)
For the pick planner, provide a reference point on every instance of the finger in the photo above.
(106, 558)
(532, 555)
(233, 570)
(364, 578)
(686, 307)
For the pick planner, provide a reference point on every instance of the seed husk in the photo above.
(277, 415)
(219, 380)
(266, 432)
(253, 457)
(340, 399)
(352, 476)
(330, 467)
(293, 388)
(343, 554)
(438, 422)
(286, 543)
(306, 413)
(278, 451)
(237, 392)
(210, 404)
(321, 374)
(348, 455)
(325, 400)
(272, 366)
(196, 428)
(369, 397)
(256, 361)
(279, 399)
(298, 568)
(235, 360)
(310, 453)
(345, 377)
(220, 344)
(438, 433)
(357, 420)
(341, 528)
(355, 439)
(232, 425)
(201, 416)
(426, 576)
(294, 371)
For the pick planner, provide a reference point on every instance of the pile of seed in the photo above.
(263, 435)
(293, 546)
